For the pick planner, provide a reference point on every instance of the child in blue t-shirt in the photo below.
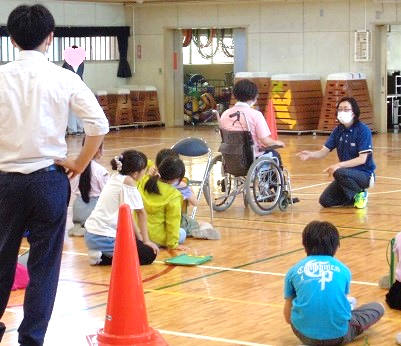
(315, 291)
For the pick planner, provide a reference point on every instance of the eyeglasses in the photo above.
(339, 109)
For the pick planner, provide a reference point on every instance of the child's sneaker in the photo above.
(206, 233)
(361, 199)
(95, 257)
(76, 231)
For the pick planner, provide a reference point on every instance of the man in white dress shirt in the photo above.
(35, 99)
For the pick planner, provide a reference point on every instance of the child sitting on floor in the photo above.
(101, 226)
(393, 297)
(163, 202)
(197, 229)
(87, 187)
(315, 293)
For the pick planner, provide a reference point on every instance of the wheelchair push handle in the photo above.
(236, 114)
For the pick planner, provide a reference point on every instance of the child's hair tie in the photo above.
(118, 162)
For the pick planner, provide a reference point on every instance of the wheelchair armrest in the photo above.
(271, 147)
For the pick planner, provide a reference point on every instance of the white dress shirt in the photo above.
(35, 98)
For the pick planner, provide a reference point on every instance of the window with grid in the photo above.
(98, 48)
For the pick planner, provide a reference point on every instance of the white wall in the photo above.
(394, 48)
(283, 36)
(97, 75)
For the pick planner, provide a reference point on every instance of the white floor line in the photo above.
(265, 273)
(308, 187)
(232, 269)
(326, 183)
(210, 338)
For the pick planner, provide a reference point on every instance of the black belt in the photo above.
(51, 168)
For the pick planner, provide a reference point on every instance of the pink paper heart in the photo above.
(74, 56)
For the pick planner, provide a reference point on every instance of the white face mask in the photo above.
(345, 117)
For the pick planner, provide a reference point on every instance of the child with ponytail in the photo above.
(195, 228)
(163, 203)
(101, 225)
(87, 187)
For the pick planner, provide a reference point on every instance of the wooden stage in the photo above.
(237, 298)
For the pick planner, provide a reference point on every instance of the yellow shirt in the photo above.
(163, 213)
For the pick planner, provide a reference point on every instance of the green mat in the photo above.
(187, 260)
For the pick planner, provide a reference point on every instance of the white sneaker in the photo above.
(95, 257)
(76, 231)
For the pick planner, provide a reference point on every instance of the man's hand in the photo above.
(72, 168)
(76, 166)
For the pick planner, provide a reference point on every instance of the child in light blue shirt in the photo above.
(315, 292)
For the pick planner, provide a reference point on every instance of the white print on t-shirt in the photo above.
(318, 269)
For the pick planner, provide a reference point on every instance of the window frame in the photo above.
(102, 42)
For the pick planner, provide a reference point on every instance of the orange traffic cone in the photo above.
(270, 117)
(126, 319)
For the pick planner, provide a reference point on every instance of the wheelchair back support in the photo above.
(237, 151)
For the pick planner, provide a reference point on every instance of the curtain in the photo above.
(84, 31)
(122, 33)
(124, 70)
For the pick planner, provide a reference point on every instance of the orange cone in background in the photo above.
(270, 117)
(126, 318)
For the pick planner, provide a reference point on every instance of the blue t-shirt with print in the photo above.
(352, 141)
(319, 286)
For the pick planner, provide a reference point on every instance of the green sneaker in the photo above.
(361, 200)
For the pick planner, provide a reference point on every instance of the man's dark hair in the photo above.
(245, 90)
(320, 238)
(30, 25)
(354, 106)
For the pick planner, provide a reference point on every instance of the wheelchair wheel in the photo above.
(264, 185)
(244, 198)
(283, 202)
(222, 186)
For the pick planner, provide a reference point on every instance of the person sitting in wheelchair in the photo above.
(237, 118)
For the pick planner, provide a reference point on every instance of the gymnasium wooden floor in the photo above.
(237, 298)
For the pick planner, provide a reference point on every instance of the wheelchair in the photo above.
(262, 182)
